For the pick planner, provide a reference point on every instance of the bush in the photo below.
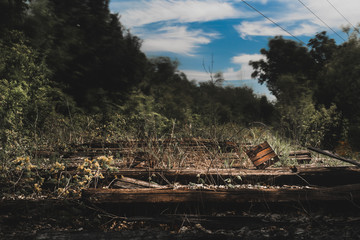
(308, 124)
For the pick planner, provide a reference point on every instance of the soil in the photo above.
(72, 219)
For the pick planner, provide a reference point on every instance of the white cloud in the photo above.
(168, 19)
(202, 76)
(260, 1)
(232, 74)
(265, 28)
(144, 12)
(328, 12)
(243, 73)
(245, 58)
(176, 39)
(199, 76)
(258, 28)
(299, 21)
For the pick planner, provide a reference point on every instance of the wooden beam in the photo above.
(235, 172)
(126, 182)
(339, 193)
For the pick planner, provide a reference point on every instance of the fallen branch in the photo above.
(332, 155)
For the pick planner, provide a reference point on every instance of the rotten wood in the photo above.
(262, 155)
(235, 171)
(126, 182)
(332, 155)
(301, 156)
(304, 176)
(339, 193)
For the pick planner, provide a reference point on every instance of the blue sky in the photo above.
(228, 32)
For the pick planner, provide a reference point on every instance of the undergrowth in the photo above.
(25, 173)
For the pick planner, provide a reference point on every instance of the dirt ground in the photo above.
(53, 219)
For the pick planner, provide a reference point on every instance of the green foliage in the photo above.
(322, 49)
(12, 13)
(80, 48)
(338, 84)
(87, 49)
(325, 72)
(140, 117)
(308, 124)
(219, 105)
(19, 75)
(283, 57)
(27, 96)
(170, 89)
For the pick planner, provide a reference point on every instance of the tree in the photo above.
(27, 97)
(170, 88)
(89, 51)
(283, 57)
(322, 49)
(12, 14)
(300, 79)
(340, 84)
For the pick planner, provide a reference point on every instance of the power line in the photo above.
(343, 16)
(321, 20)
(278, 25)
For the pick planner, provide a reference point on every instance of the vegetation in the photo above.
(70, 73)
(315, 88)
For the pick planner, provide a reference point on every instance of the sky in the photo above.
(224, 35)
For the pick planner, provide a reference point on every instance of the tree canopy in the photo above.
(67, 60)
(324, 73)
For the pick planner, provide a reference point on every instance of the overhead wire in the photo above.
(275, 23)
(355, 28)
(321, 20)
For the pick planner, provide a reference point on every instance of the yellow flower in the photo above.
(37, 187)
(17, 160)
(97, 165)
(31, 166)
(59, 166)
